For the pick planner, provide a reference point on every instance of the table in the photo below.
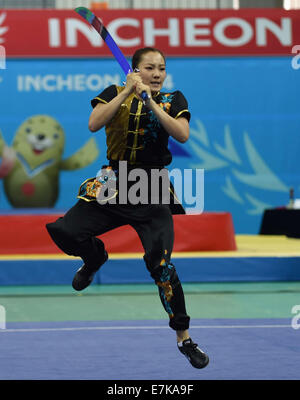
(281, 221)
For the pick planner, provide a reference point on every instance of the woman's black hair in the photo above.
(136, 59)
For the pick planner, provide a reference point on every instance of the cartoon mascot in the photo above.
(30, 168)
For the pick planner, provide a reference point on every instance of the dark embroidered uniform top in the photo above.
(134, 134)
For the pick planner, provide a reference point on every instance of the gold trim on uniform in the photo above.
(102, 101)
(136, 133)
(181, 112)
(85, 199)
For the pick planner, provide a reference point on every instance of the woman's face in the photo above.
(153, 70)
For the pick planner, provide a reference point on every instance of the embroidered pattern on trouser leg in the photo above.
(165, 287)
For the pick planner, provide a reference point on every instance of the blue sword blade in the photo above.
(100, 28)
(89, 16)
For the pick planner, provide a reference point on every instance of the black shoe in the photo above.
(84, 276)
(191, 351)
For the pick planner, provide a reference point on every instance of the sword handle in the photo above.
(145, 96)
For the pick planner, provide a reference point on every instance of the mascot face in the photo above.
(39, 139)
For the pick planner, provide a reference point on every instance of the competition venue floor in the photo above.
(244, 305)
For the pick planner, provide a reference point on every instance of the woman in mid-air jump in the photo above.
(137, 133)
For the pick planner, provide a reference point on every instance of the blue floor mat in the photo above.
(239, 349)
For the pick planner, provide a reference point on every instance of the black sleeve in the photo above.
(179, 106)
(105, 96)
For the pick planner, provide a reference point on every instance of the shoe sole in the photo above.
(205, 363)
(76, 282)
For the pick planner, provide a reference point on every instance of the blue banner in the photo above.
(244, 131)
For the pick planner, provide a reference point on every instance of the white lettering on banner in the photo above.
(246, 29)
(120, 22)
(73, 83)
(49, 87)
(54, 32)
(191, 31)
(73, 26)
(150, 32)
(193, 28)
(58, 83)
(282, 33)
(63, 83)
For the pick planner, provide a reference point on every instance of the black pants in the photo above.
(75, 234)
